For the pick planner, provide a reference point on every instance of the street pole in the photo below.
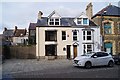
(102, 30)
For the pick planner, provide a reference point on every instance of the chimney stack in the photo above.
(89, 10)
(5, 29)
(15, 28)
(40, 14)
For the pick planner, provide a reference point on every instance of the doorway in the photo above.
(68, 52)
(75, 50)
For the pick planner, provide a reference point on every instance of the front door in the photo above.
(68, 52)
(75, 50)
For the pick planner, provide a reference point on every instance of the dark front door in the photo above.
(75, 50)
(68, 52)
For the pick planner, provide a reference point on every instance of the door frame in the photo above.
(75, 52)
(68, 51)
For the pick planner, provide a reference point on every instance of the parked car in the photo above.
(94, 59)
(116, 58)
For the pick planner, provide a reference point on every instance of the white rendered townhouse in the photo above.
(62, 37)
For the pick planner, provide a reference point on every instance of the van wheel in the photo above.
(111, 64)
(88, 65)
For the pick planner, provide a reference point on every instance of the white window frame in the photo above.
(79, 19)
(54, 21)
(85, 48)
(87, 36)
(65, 35)
(75, 35)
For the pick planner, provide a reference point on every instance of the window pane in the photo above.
(56, 23)
(63, 35)
(74, 38)
(88, 37)
(88, 32)
(51, 23)
(79, 21)
(75, 33)
(84, 20)
(83, 32)
(57, 20)
(107, 28)
(50, 50)
(51, 19)
(83, 37)
(50, 35)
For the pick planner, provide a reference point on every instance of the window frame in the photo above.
(64, 36)
(85, 48)
(79, 20)
(108, 29)
(85, 35)
(85, 20)
(54, 21)
(75, 35)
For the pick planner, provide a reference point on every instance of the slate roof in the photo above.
(65, 22)
(32, 26)
(8, 33)
(20, 32)
(111, 10)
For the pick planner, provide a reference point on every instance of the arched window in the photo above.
(107, 28)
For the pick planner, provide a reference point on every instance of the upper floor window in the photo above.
(54, 21)
(85, 21)
(75, 35)
(79, 20)
(63, 35)
(50, 35)
(87, 35)
(107, 28)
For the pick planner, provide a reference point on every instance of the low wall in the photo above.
(23, 52)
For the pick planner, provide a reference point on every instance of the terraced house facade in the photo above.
(109, 21)
(65, 37)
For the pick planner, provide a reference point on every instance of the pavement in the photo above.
(27, 65)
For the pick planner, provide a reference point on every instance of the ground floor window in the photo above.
(50, 50)
(87, 48)
(108, 47)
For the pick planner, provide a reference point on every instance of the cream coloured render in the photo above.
(40, 40)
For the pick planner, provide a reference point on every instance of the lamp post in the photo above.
(102, 30)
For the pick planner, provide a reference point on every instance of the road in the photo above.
(63, 69)
(72, 72)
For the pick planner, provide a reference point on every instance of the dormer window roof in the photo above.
(54, 19)
(82, 19)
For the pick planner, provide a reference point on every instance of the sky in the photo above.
(23, 12)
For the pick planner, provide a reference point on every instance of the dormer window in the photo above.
(54, 21)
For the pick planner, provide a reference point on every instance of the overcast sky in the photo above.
(22, 13)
